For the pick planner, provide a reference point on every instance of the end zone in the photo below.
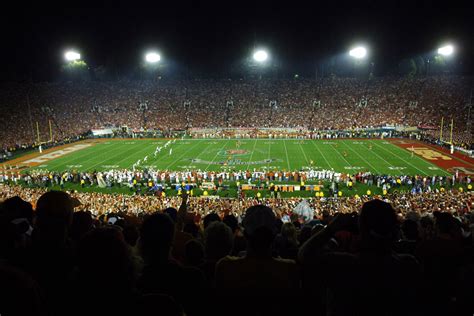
(438, 156)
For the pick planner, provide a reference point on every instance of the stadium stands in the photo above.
(81, 253)
(330, 103)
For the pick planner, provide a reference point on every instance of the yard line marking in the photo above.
(73, 158)
(389, 151)
(162, 155)
(209, 164)
(145, 147)
(205, 150)
(269, 148)
(287, 158)
(354, 151)
(387, 162)
(424, 161)
(350, 165)
(251, 154)
(304, 154)
(92, 157)
(189, 149)
(324, 157)
(127, 157)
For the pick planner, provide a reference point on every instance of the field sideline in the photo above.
(391, 157)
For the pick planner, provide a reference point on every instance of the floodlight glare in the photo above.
(358, 52)
(260, 56)
(446, 50)
(152, 57)
(72, 56)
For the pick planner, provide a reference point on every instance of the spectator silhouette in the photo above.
(258, 279)
(161, 274)
(218, 243)
(105, 270)
(51, 260)
(374, 280)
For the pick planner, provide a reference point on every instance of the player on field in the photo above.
(171, 151)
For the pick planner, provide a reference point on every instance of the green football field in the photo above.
(343, 155)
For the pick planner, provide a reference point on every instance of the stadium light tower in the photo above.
(260, 56)
(358, 52)
(446, 50)
(152, 57)
(72, 56)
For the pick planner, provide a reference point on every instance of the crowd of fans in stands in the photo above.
(329, 103)
(403, 255)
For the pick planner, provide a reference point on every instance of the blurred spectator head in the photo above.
(209, 218)
(54, 213)
(156, 237)
(218, 240)
(378, 224)
(193, 253)
(260, 228)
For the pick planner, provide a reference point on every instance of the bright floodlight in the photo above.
(260, 56)
(358, 52)
(152, 57)
(446, 50)
(72, 56)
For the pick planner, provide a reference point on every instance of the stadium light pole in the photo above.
(152, 57)
(446, 50)
(260, 57)
(72, 56)
(358, 52)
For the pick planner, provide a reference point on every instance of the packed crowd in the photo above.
(404, 254)
(331, 103)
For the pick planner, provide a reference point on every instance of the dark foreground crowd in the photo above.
(57, 261)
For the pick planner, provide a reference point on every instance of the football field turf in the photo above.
(342, 155)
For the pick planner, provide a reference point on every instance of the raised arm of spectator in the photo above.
(183, 209)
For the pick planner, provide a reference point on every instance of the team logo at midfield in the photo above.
(234, 162)
(236, 152)
(233, 152)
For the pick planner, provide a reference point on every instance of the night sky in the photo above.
(210, 37)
